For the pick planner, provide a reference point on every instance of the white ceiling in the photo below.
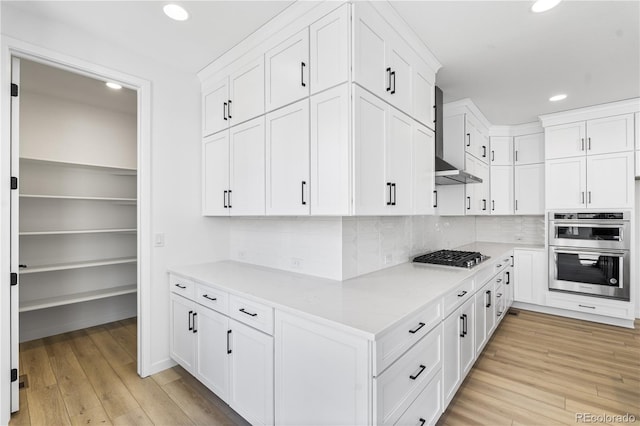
(508, 60)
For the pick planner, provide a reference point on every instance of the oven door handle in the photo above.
(557, 250)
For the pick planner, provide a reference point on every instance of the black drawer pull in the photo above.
(206, 296)
(190, 319)
(228, 345)
(302, 65)
(181, 286)
(195, 329)
(585, 306)
(248, 313)
(422, 368)
(463, 293)
(488, 293)
(508, 278)
(415, 330)
(422, 421)
(462, 326)
(464, 316)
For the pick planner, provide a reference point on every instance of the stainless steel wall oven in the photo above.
(589, 253)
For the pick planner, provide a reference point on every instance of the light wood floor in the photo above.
(541, 370)
(88, 377)
(536, 370)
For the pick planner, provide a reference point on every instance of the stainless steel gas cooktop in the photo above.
(460, 259)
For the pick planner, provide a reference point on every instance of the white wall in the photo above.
(636, 278)
(175, 158)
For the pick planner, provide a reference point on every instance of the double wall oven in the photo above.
(589, 253)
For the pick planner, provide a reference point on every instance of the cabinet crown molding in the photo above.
(516, 130)
(596, 111)
(464, 106)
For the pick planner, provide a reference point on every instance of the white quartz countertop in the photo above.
(366, 305)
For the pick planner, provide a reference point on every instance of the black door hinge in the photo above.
(14, 374)
(14, 278)
(14, 182)
(14, 90)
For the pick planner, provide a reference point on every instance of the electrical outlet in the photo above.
(388, 258)
(296, 263)
(158, 239)
(242, 254)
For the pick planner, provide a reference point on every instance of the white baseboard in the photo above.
(574, 314)
(159, 366)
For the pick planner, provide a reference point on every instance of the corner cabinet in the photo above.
(316, 121)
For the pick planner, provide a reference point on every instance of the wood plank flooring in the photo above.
(536, 370)
(88, 377)
(541, 369)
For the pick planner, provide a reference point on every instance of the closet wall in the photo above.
(78, 191)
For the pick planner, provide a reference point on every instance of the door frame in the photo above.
(11, 47)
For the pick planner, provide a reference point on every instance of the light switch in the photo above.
(158, 239)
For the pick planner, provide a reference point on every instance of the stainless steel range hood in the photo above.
(447, 174)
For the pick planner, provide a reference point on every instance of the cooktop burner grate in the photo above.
(461, 259)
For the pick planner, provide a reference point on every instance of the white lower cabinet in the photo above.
(183, 343)
(530, 280)
(459, 350)
(485, 319)
(212, 366)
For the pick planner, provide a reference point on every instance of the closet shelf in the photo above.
(76, 265)
(74, 197)
(80, 231)
(96, 167)
(50, 302)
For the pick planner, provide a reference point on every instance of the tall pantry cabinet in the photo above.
(77, 202)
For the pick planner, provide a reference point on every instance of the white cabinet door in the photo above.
(529, 189)
(401, 92)
(473, 203)
(246, 92)
(502, 190)
(483, 190)
(529, 149)
(610, 134)
(329, 50)
(247, 157)
(215, 98)
(212, 358)
(637, 133)
(331, 152)
(424, 95)
(452, 328)
(399, 153)
(370, 129)
(423, 170)
(531, 276)
(251, 374)
(215, 175)
(610, 182)
(287, 156)
(638, 163)
(370, 50)
(508, 285)
(481, 301)
(473, 138)
(565, 140)
(183, 342)
(467, 347)
(565, 183)
(287, 71)
(502, 151)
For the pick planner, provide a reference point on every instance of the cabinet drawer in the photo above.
(574, 303)
(251, 313)
(395, 342)
(398, 386)
(182, 286)
(427, 407)
(454, 299)
(212, 298)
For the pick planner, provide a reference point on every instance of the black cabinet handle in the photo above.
(248, 313)
(484, 204)
(516, 155)
(224, 200)
(464, 316)
(206, 296)
(190, 320)
(468, 203)
(393, 74)
(302, 65)
(393, 186)
(516, 204)
(224, 110)
(229, 109)
(484, 151)
(493, 205)
(181, 286)
(415, 330)
(304, 203)
(388, 79)
(389, 188)
(493, 155)
(422, 368)
(589, 143)
(195, 329)
(488, 293)
(511, 260)
(435, 199)
(508, 278)
(422, 421)
(585, 306)
(229, 198)
(461, 326)
(228, 344)
(463, 293)
(468, 139)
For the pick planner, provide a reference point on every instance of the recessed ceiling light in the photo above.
(544, 5)
(113, 85)
(557, 98)
(176, 12)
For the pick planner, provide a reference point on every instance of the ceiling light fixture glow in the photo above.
(112, 85)
(544, 5)
(557, 98)
(176, 12)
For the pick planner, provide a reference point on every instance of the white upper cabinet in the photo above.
(287, 158)
(529, 149)
(246, 182)
(529, 189)
(215, 175)
(610, 134)
(424, 196)
(476, 140)
(329, 50)
(287, 71)
(399, 154)
(246, 92)
(424, 95)
(371, 42)
(502, 192)
(565, 140)
(331, 152)
(566, 183)
(610, 181)
(501, 151)
(400, 93)
(215, 101)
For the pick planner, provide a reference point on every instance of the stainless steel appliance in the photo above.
(458, 258)
(589, 253)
